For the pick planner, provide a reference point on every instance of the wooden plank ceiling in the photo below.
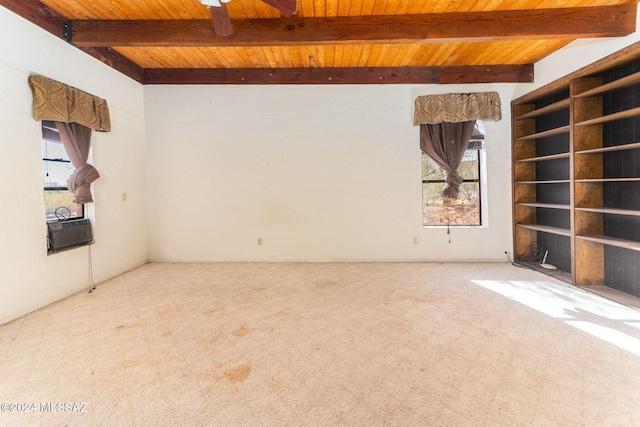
(328, 41)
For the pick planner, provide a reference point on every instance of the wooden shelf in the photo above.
(555, 181)
(560, 105)
(608, 87)
(546, 229)
(543, 158)
(612, 211)
(545, 205)
(545, 134)
(613, 241)
(597, 180)
(632, 146)
(633, 112)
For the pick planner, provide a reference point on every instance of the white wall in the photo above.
(318, 172)
(29, 279)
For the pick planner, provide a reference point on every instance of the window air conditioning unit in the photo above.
(69, 233)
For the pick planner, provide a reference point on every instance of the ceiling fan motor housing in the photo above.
(213, 3)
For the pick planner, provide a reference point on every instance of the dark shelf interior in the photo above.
(553, 120)
(552, 99)
(554, 194)
(622, 269)
(620, 72)
(559, 248)
(621, 164)
(552, 170)
(554, 217)
(621, 195)
(622, 266)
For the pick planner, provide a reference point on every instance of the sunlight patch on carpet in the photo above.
(609, 321)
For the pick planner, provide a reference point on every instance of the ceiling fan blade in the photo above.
(221, 21)
(288, 7)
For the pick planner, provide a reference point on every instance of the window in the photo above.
(57, 168)
(465, 210)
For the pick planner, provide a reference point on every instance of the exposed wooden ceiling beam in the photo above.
(49, 20)
(38, 13)
(567, 23)
(378, 75)
(116, 61)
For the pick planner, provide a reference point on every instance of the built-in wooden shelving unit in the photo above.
(576, 173)
(541, 158)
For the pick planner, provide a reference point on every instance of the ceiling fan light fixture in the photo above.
(213, 3)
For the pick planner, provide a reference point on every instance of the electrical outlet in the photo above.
(259, 241)
(415, 240)
(124, 197)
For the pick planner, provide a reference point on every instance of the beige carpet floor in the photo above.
(324, 344)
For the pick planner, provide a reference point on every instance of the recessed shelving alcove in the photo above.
(576, 173)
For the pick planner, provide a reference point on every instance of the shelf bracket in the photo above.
(67, 31)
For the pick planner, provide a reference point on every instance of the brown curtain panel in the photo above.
(446, 143)
(75, 139)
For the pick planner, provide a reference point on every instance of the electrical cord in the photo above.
(61, 215)
(92, 284)
(533, 260)
(530, 258)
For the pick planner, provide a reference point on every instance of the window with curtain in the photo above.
(451, 140)
(57, 168)
(68, 117)
(465, 210)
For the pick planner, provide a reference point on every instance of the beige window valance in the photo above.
(456, 108)
(56, 101)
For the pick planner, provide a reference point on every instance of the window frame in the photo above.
(472, 180)
(49, 133)
(475, 144)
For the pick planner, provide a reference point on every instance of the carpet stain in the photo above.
(242, 331)
(326, 284)
(235, 375)
(130, 363)
(167, 333)
(276, 386)
(281, 313)
(169, 311)
(209, 313)
(210, 338)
